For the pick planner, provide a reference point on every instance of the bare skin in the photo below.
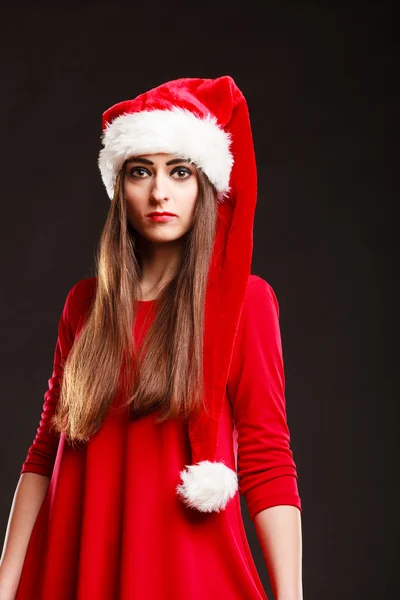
(154, 183)
(279, 532)
(29, 494)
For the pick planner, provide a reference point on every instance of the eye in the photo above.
(182, 172)
(139, 172)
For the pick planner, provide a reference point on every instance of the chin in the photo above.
(164, 235)
(166, 240)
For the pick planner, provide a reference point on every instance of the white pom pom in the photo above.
(207, 486)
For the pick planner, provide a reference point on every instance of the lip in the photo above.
(161, 212)
(161, 217)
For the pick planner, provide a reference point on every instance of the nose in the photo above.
(160, 189)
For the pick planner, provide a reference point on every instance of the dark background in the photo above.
(320, 79)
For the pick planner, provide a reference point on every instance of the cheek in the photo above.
(188, 199)
(135, 198)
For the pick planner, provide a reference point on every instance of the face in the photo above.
(158, 183)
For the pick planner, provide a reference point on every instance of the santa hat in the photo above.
(207, 121)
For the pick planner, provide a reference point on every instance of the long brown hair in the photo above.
(167, 373)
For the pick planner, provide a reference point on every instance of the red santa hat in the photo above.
(207, 121)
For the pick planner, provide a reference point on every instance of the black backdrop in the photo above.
(320, 80)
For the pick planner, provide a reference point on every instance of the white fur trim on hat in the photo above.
(207, 486)
(175, 131)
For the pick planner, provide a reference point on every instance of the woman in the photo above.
(167, 394)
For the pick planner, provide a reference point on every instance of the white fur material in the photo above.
(207, 486)
(177, 131)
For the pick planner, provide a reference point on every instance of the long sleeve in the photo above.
(266, 468)
(42, 452)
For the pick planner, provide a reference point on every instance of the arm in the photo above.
(279, 532)
(266, 468)
(29, 494)
(36, 470)
(42, 452)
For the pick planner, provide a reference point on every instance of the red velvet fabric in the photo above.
(111, 526)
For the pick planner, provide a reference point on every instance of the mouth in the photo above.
(161, 217)
(160, 214)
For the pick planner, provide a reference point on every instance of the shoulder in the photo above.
(84, 289)
(258, 326)
(79, 300)
(259, 295)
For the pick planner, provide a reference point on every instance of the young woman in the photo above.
(167, 396)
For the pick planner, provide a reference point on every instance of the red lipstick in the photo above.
(161, 217)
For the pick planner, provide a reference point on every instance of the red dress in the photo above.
(111, 526)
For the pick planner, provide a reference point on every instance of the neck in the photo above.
(159, 262)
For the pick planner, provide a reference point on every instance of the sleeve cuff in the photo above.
(282, 490)
(34, 468)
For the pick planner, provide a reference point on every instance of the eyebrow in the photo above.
(146, 161)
